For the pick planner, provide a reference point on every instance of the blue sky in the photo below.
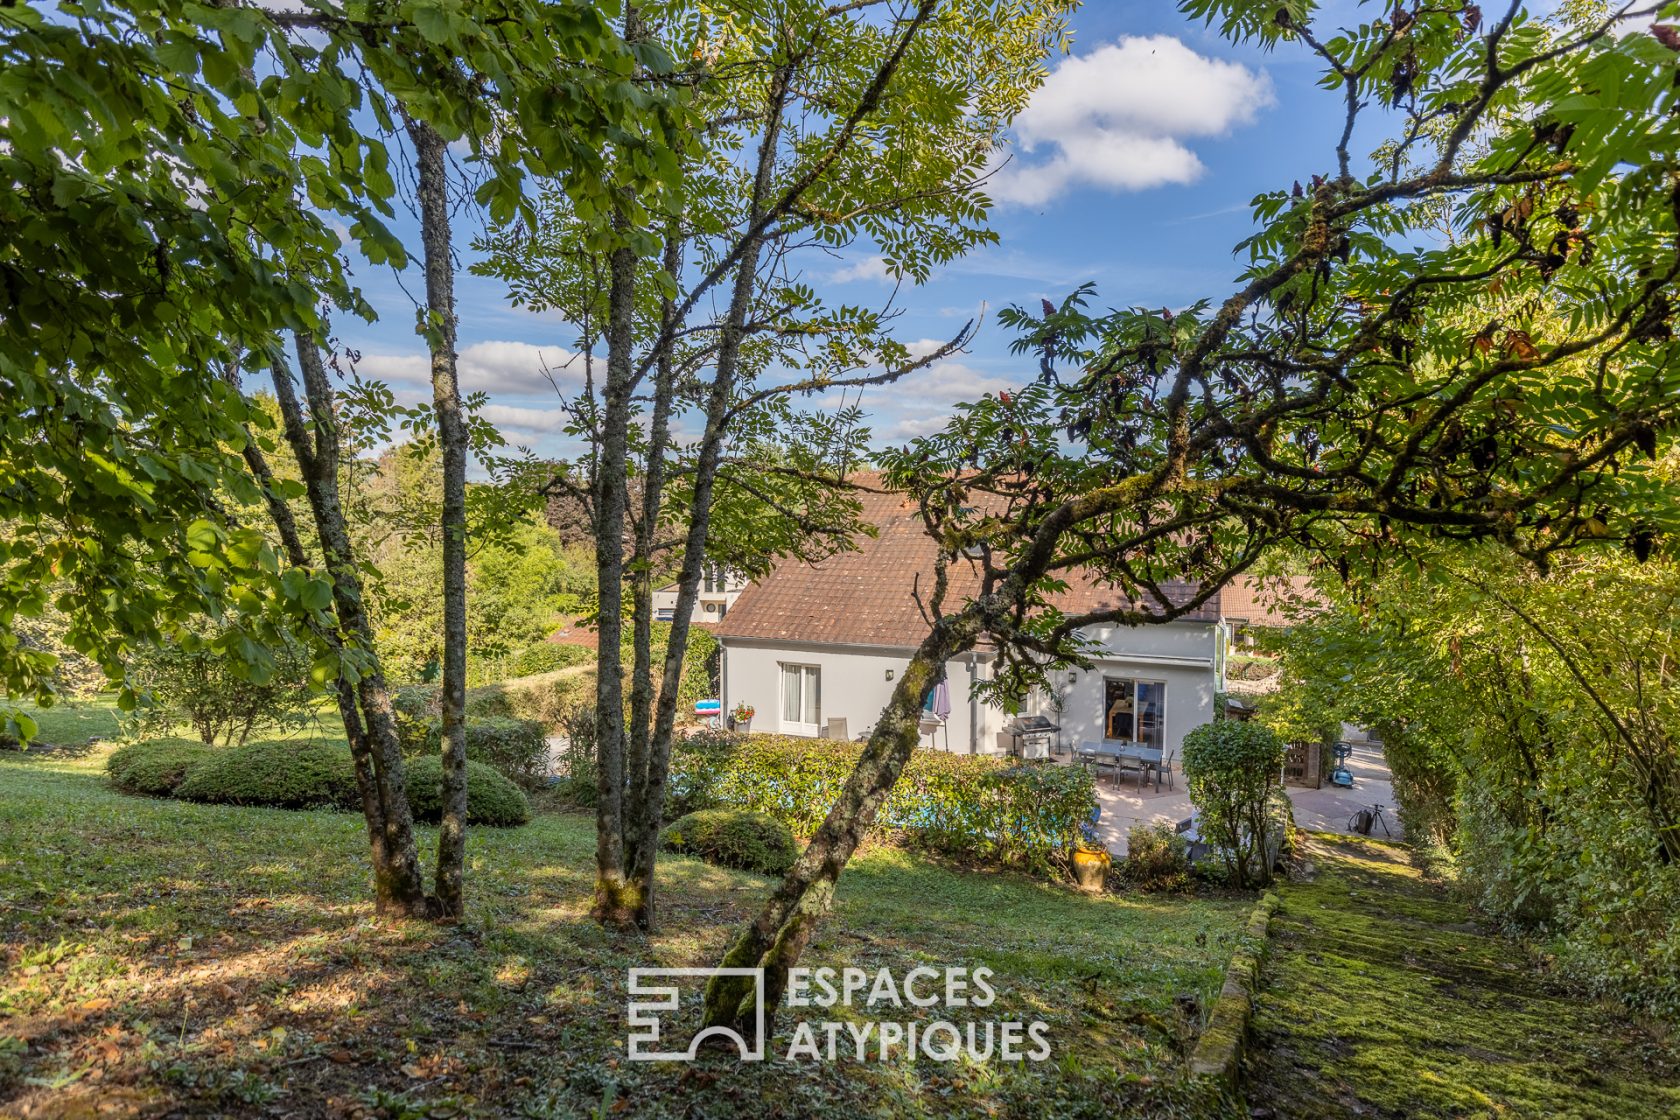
(1132, 168)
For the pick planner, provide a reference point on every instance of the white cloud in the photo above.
(493, 367)
(526, 419)
(1117, 119)
(870, 268)
(921, 403)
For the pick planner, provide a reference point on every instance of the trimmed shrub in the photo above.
(491, 798)
(154, 768)
(278, 774)
(517, 748)
(547, 657)
(734, 838)
(1157, 858)
(1232, 768)
(991, 809)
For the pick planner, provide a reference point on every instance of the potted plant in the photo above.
(741, 718)
(1091, 860)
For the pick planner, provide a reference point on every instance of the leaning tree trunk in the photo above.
(399, 887)
(344, 694)
(774, 940)
(452, 437)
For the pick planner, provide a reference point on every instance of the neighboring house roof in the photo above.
(867, 597)
(1265, 602)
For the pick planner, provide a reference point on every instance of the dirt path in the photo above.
(1383, 999)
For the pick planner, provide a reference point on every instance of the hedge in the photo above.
(516, 748)
(546, 657)
(1020, 814)
(545, 698)
(154, 768)
(734, 838)
(286, 775)
(277, 774)
(491, 798)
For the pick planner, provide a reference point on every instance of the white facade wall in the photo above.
(709, 607)
(856, 686)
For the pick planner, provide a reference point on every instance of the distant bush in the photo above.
(996, 810)
(1157, 858)
(546, 698)
(491, 799)
(200, 681)
(154, 768)
(516, 748)
(577, 760)
(547, 657)
(283, 775)
(1232, 768)
(734, 838)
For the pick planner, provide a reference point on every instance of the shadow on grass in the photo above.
(163, 956)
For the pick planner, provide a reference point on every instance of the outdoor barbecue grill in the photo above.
(1033, 736)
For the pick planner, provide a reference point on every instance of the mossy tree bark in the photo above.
(399, 887)
(614, 901)
(452, 439)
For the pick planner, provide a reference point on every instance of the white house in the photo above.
(811, 645)
(719, 588)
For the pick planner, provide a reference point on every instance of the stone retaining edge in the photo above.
(1217, 1057)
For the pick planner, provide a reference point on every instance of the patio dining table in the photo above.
(1142, 758)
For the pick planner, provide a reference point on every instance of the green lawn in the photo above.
(209, 959)
(1383, 999)
(71, 723)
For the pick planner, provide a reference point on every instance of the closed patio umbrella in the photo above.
(942, 700)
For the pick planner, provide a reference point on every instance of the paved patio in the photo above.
(1326, 809)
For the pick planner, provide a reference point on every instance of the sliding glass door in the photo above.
(801, 699)
(1134, 711)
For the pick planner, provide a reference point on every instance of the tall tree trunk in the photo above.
(774, 940)
(645, 809)
(291, 541)
(652, 799)
(399, 887)
(614, 903)
(452, 437)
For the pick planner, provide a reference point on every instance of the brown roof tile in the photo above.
(866, 597)
(1264, 602)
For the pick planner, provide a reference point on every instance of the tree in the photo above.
(1352, 397)
(1231, 769)
(792, 114)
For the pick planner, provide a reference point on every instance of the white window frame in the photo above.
(793, 723)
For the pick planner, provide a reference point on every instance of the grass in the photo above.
(71, 723)
(164, 956)
(1383, 999)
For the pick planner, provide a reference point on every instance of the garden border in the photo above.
(1218, 1053)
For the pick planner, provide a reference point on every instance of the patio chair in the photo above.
(1164, 769)
(836, 729)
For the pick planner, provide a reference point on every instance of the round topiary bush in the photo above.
(734, 838)
(281, 775)
(155, 768)
(491, 798)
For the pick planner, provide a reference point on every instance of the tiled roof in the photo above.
(1257, 602)
(867, 597)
